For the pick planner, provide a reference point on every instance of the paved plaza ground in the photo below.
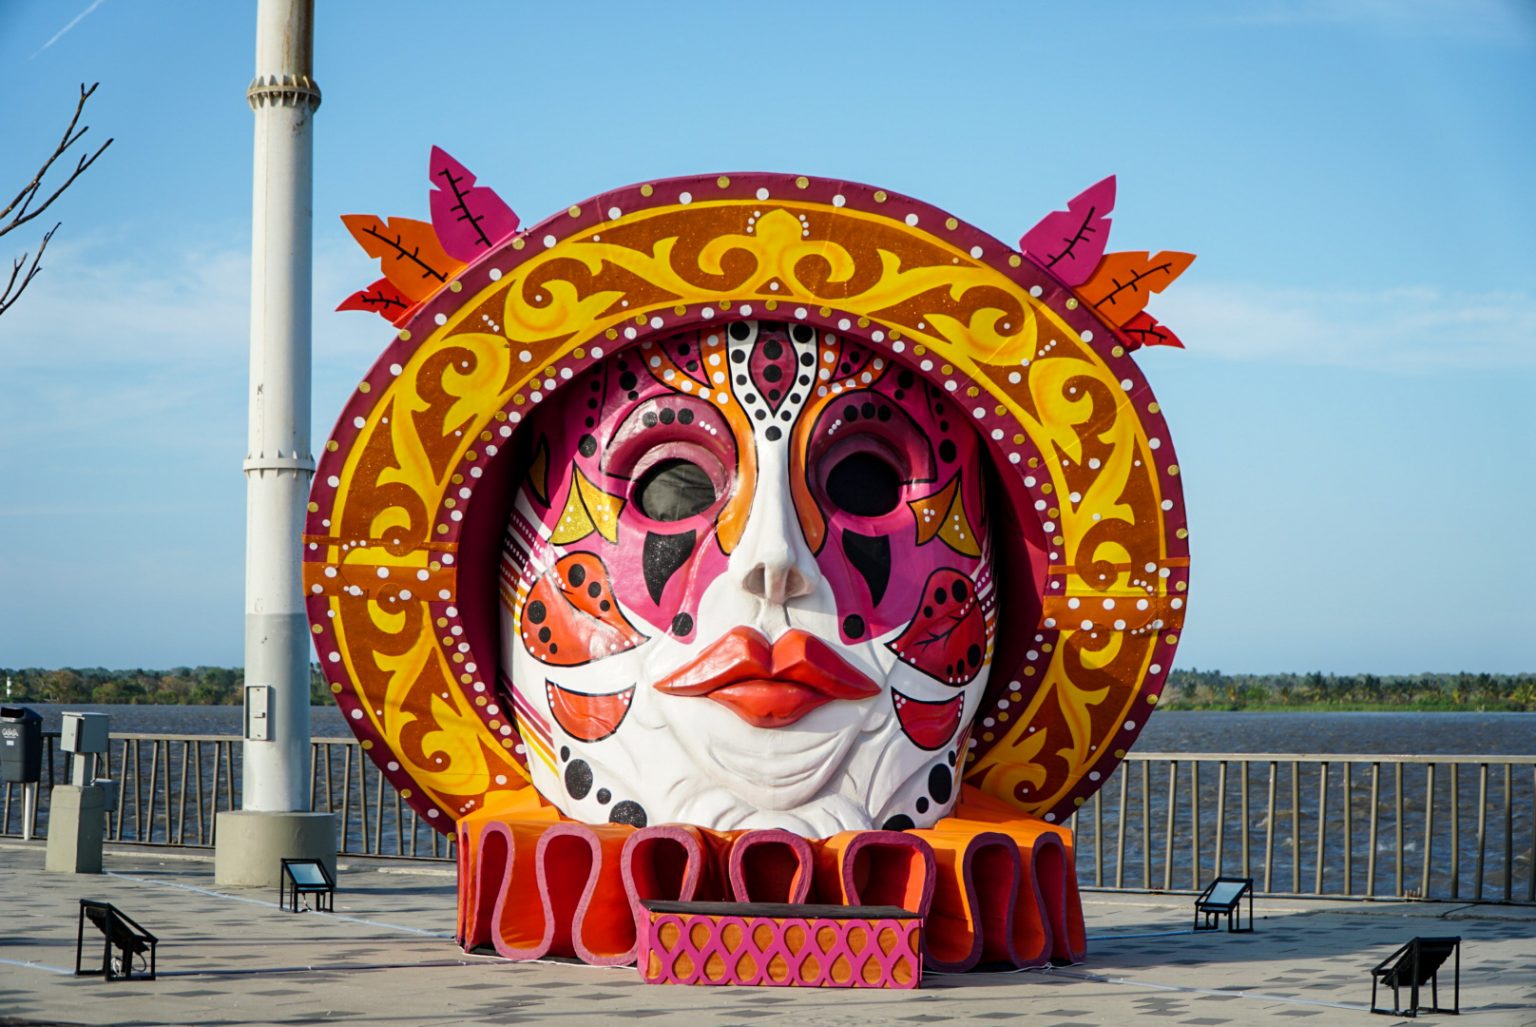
(386, 956)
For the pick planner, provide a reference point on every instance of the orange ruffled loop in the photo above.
(992, 885)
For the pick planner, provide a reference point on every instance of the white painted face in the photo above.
(747, 583)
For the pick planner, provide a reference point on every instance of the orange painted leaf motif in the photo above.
(943, 515)
(1146, 330)
(1123, 282)
(412, 258)
(571, 617)
(381, 298)
(538, 472)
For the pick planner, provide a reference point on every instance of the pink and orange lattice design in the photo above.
(860, 947)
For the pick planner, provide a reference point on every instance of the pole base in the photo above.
(251, 845)
(76, 825)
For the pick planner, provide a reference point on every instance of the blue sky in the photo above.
(1353, 415)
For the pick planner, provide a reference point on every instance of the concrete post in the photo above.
(76, 829)
(278, 463)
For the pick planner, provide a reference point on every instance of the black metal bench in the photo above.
(121, 932)
(1412, 966)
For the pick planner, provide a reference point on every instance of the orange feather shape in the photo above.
(1123, 282)
(408, 251)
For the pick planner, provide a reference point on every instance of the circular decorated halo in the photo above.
(411, 495)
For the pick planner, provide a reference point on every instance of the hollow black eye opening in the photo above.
(864, 484)
(672, 490)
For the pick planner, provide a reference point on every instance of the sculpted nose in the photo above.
(772, 560)
(777, 581)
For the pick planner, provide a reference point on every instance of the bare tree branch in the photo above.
(21, 210)
(28, 192)
(7, 298)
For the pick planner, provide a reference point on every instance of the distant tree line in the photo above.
(1191, 689)
(180, 686)
(1195, 689)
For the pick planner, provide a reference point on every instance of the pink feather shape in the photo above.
(1070, 242)
(469, 219)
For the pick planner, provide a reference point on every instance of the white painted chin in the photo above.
(821, 818)
(771, 769)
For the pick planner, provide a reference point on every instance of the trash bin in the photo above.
(21, 744)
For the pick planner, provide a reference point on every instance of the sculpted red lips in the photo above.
(769, 685)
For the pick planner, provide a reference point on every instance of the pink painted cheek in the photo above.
(659, 572)
(623, 420)
(856, 566)
(662, 575)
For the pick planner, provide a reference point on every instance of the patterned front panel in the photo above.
(786, 952)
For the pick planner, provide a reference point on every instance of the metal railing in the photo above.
(1439, 827)
(171, 788)
(1343, 826)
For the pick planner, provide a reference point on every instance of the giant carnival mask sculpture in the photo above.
(751, 513)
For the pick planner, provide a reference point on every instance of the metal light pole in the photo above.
(275, 820)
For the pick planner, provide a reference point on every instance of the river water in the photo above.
(1169, 731)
